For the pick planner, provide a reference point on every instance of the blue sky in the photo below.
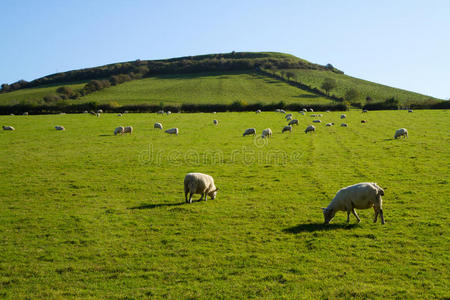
(405, 44)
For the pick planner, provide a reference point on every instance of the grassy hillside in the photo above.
(33, 95)
(86, 214)
(378, 92)
(217, 88)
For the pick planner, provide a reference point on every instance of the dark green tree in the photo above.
(328, 84)
(351, 95)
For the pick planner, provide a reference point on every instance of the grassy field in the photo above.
(378, 92)
(33, 94)
(87, 214)
(205, 88)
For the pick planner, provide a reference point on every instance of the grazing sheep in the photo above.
(343, 116)
(118, 130)
(59, 127)
(314, 116)
(168, 112)
(128, 129)
(11, 114)
(310, 128)
(361, 195)
(363, 121)
(172, 131)
(410, 110)
(100, 111)
(287, 128)
(293, 122)
(329, 124)
(8, 128)
(25, 113)
(85, 112)
(160, 112)
(158, 125)
(97, 114)
(93, 113)
(266, 133)
(258, 111)
(119, 115)
(344, 125)
(198, 183)
(365, 111)
(311, 110)
(317, 121)
(289, 118)
(125, 112)
(282, 111)
(62, 113)
(249, 131)
(304, 110)
(215, 122)
(277, 110)
(288, 115)
(401, 132)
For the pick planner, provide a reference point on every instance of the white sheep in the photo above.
(317, 121)
(258, 111)
(365, 111)
(310, 128)
(100, 111)
(8, 128)
(215, 122)
(59, 127)
(128, 129)
(119, 130)
(119, 115)
(293, 122)
(160, 112)
(85, 112)
(289, 118)
(266, 133)
(343, 116)
(329, 124)
(410, 110)
(158, 125)
(311, 110)
(168, 112)
(25, 113)
(401, 132)
(249, 131)
(198, 183)
(288, 115)
(344, 125)
(277, 110)
(97, 114)
(287, 128)
(282, 111)
(125, 112)
(304, 110)
(172, 131)
(361, 195)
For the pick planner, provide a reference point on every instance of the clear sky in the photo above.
(401, 43)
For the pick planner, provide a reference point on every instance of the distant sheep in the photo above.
(119, 130)
(365, 111)
(293, 122)
(168, 112)
(158, 126)
(119, 115)
(282, 111)
(258, 111)
(343, 116)
(362, 196)
(329, 124)
(249, 131)
(59, 127)
(314, 116)
(344, 125)
(410, 110)
(289, 118)
(287, 128)
(277, 110)
(304, 110)
(25, 113)
(266, 133)
(160, 112)
(128, 129)
(401, 132)
(8, 128)
(97, 114)
(100, 111)
(311, 110)
(288, 115)
(363, 121)
(317, 121)
(85, 112)
(310, 128)
(215, 122)
(198, 183)
(172, 131)
(125, 112)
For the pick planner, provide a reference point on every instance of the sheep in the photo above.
(344, 125)
(304, 110)
(119, 115)
(215, 122)
(198, 183)
(401, 132)
(311, 110)
(258, 111)
(168, 112)
(365, 111)
(310, 128)
(249, 131)
(313, 115)
(125, 112)
(11, 114)
(288, 115)
(85, 112)
(158, 125)
(172, 131)
(8, 128)
(361, 195)
(410, 110)
(62, 113)
(329, 124)
(118, 130)
(287, 128)
(128, 129)
(289, 118)
(266, 133)
(25, 113)
(317, 121)
(100, 111)
(343, 116)
(160, 112)
(59, 127)
(363, 121)
(97, 114)
(293, 122)
(277, 110)
(282, 111)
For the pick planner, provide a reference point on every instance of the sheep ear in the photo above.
(324, 209)
(216, 189)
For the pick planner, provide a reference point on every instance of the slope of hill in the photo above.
(204, 88)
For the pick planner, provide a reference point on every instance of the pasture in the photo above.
(87, 214)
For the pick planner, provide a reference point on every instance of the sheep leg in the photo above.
(201, 198)
(206, 196)
(356, 215)
(381, 216)
(376, 215)
(348, 216)
(190, 197)
(185, 196)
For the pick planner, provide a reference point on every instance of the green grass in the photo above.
(378, 92)
(87, 214)
(33, 94)
(217, 88)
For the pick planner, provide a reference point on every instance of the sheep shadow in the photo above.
(156, 205)
(106, 134)
(312, 227)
